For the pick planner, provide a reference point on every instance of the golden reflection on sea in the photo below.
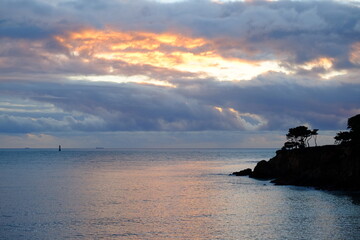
(160, 194)
(164, 200)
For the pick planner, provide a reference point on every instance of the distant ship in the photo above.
(59, 148)
(99, 147)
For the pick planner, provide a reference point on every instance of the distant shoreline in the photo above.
(27, 148)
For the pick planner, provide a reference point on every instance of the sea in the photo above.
(161, 194)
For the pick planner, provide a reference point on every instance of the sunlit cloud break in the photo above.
(170, 51)
(103, 70)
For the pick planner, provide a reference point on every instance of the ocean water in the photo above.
(161, 194)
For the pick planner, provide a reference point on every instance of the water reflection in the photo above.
(169, 200)
(162, 195)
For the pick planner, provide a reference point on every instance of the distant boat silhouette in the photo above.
(99, 147)
(59, 148)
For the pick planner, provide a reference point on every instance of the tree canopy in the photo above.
(342, 137)
(351, 136)
(299, 137)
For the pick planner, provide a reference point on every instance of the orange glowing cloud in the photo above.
(174, 52)
(113, 40)
(326, 64)
(323, 62)
(355, 54)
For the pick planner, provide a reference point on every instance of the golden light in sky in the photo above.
(355, 53)
(326, 64)
(170, 51)
(155, 65)
(249, 121)
(323, 62)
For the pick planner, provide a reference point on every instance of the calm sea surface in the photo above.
(161, 194)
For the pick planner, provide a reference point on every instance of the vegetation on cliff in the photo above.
(327, 167)
(299, 137)
(353, 135)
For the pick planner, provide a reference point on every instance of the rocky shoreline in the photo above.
(331, 167)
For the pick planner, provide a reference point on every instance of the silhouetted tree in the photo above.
(289, 145)
(342, 137)
(352, 136)
(299, 136)
(313, 133)
(354, 123)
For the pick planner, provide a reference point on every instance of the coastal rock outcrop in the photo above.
(245, 172)
(334, 167)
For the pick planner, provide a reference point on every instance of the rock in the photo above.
(245, 172)
(263, 171)
(326, 167)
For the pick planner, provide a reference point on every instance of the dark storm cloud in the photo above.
(122, 107)
(291, 32)
(23, 30)
(284, 101)
(261, 104)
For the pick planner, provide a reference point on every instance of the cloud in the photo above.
(290, 32)
(130, 66)
(21, 124)
(282, 100)
(268, 103)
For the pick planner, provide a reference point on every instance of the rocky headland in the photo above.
(331, 167)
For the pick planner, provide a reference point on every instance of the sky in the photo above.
(200, 73)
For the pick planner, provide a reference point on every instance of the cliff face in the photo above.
(328, 167)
